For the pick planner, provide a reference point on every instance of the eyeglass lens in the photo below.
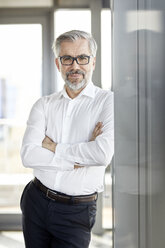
(81, 60)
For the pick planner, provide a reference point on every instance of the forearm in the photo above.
(37, 157)
(33, 154)
(50, 145)
(98, 152)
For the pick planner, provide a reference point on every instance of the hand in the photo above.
(76, 166)
(97, 131)
(49, 144)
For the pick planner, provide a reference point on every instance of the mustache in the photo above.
(74, 72)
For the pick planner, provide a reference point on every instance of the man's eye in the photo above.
(67, 58)
(82, 57)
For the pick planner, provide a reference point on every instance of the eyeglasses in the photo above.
(81, 59)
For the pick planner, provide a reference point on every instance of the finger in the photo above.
(77, 166)
(98, 128)
(99, 124)
(98, 132)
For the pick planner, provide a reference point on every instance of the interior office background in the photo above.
(137, 35)
(27, 71)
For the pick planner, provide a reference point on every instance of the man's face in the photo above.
(76, 76)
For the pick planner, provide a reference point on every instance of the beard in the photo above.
(74, 86)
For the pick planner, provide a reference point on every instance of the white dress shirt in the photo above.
(70, 123)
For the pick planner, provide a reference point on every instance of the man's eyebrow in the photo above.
(67, 55)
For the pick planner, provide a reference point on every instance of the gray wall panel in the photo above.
(126, 128)
(138, 82)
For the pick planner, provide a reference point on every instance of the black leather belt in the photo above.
(56, 196)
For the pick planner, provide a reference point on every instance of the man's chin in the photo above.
(75, 85)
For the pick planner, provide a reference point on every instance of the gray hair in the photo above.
(72, 36)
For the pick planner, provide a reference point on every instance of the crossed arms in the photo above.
(49, 144)
(40, 152)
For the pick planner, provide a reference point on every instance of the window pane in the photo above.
(66, 20)
(20, 87)
(106, 49)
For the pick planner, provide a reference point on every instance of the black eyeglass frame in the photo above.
(75, 58)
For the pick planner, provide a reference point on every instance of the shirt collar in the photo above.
(89, 91)
(63, 93)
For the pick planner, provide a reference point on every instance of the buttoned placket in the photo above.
(67, 119)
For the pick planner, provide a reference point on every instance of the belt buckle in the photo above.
(96, 196)
(51, 191)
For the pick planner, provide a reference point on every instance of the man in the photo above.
(68, 142)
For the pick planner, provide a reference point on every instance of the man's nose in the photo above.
(75, 65)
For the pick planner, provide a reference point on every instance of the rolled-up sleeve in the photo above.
(98, 152)
(33, 155)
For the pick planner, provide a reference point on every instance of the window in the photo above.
(106, 49)
(20, 87)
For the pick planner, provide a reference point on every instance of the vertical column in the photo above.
(48, 56)
(155, 40)
(126, 158)
(96, 6)
(138, 79)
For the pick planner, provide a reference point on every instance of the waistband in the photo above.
(59, 197)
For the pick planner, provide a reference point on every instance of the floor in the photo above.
(15, 240)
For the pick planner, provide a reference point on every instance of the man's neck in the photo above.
(73, 93)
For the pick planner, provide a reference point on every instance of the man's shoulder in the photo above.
(51, 97)
(104, 93)
(44, 101)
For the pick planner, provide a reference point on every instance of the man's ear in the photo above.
(94, 63)
(57, 63)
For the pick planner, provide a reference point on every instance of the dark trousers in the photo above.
(50, 224)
